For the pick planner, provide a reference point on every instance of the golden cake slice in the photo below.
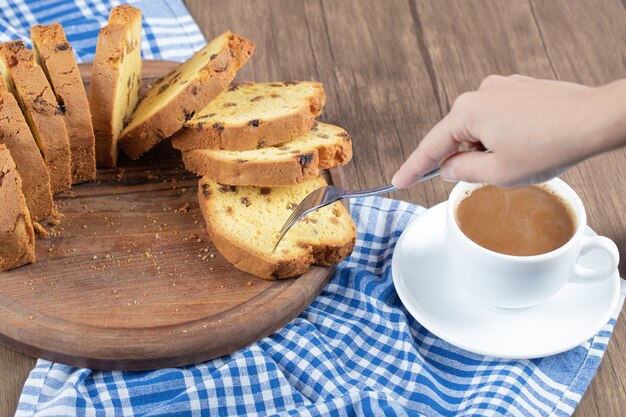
(27, 81)
(244, 224)
(115, 80)
(294, 162)
(254, 115)
(15, 134)
(56, 57)
(176, 98)
(17, 238)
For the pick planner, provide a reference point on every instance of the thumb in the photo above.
(473, 167)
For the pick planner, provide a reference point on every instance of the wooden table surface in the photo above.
(391, 70)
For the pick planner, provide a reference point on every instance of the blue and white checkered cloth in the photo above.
(178, 35)
(354, 351)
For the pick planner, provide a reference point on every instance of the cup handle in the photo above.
(583, 274)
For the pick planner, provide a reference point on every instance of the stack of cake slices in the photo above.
(46, 136)
(259, 151)
(257, 146)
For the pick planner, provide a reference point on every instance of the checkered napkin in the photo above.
(169, 31)
(354, 351)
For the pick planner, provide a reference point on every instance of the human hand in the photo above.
(534, 129)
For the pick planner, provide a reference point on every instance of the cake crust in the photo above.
(56, 57)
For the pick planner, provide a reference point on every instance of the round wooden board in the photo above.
(130, 280)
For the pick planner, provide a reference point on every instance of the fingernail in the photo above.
(447, 173)
(394, 180)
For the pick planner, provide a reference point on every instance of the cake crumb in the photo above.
(184, 208)
(31, 317)
(39, 229)
(54, 221)
(249, 283)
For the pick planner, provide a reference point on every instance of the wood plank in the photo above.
(367, 56)
(581, 52)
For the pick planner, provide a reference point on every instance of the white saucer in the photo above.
(437, 301)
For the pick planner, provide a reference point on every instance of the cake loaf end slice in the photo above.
(17, 238)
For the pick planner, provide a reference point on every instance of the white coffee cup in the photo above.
(509, 281)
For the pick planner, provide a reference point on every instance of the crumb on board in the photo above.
(39, 229)
(183, 209)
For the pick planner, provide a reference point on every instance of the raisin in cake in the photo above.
(325, 146)
(177, 97)
(25, 78)
(17, 239)
(56, 57)
(115, 80)
(244, 224)
(254, 115)
(15, 134)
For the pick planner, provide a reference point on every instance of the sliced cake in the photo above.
(115, 80)
(17, 239)
(244, 224)
(27, 81)
(176, 98)
(15, 134)
(300, 160)
(56, 57)
(254, 115)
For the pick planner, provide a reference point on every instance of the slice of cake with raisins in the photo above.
(17, 238)
(254, 115)
(115, 80)
(244, 225)
(56, 57)
(176, 98)
(27, 81)
(17, 137)
(323, 147)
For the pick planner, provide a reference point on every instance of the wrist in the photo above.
(609, 117)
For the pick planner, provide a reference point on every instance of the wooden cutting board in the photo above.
(130, 280)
